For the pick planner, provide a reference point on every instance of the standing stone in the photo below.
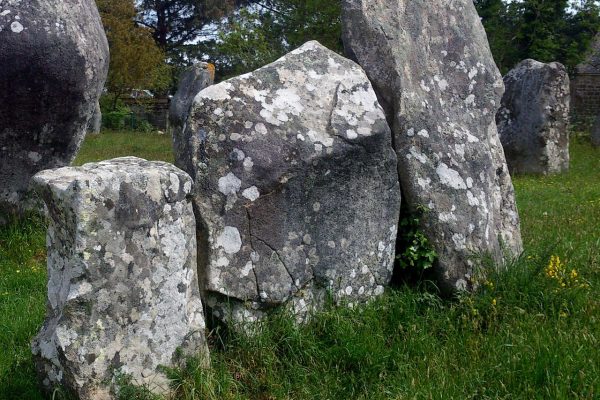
(596, 132)
(54, 61)
(95, 125)
(534, 118)
(122, 286)
(191, 82)
(432, 69)
(296, 186)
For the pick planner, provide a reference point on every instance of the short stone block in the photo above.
(122, 283)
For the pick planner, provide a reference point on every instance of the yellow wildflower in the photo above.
(573, 274)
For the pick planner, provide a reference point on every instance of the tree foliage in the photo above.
(135, 60)
(174, 23)
(268, 29)
(546, 30)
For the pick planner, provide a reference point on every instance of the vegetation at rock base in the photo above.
(417, 254)
(522, 335)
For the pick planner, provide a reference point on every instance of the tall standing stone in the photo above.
(432, 69)
(122, 283)
(95, 125)
(297, 191)
(191, 82)
(596, 132)
(533, 121)
(54, 61)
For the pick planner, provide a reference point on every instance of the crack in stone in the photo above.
(252, 247)
(271, 248)
(330, 129)
(333, 106)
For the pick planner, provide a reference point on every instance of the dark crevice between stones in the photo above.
(219, 330)
(202, 253)
(404, 276)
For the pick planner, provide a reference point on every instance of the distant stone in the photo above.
(432, 69)
(297, 191)
(193, 80)
(534, 118)
(54, 61)
(95, 125)
(596, 132)
(122, 286)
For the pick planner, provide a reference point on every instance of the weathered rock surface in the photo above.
(596, 132)
(296, 186)
(533, 121)
(432, 69)
(122, 283)
(191, 82)
(95, 125)
(54, 61)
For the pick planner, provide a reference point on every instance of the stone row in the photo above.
(286, 191)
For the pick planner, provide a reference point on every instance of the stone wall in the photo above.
(585, 95)
(155, 111)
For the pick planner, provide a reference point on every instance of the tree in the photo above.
(244, 44)
(581, 28)
(135, 60)
(174, 23)
(500, 20)
(541, 29)
(546, 30)
(298, 21)
(267, 30)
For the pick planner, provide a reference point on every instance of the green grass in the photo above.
(112, 144)
(22, 304)
(521, 336)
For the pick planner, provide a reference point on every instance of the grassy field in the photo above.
(528, 333)
(150, 146)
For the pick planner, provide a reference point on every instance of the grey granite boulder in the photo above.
(54, 61)
(195, 78)
(534, 118)
(122, 283)
(297, 192)
(95, 125)
(431, 66)
(596, 132)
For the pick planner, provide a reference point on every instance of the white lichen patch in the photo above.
(229, 184)
(16, 27)
(230, 240)
(450, 177)
(247, 269)
(248, 164)
(320, 138)
(215, 92)
(251, 193)
(422, 158)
